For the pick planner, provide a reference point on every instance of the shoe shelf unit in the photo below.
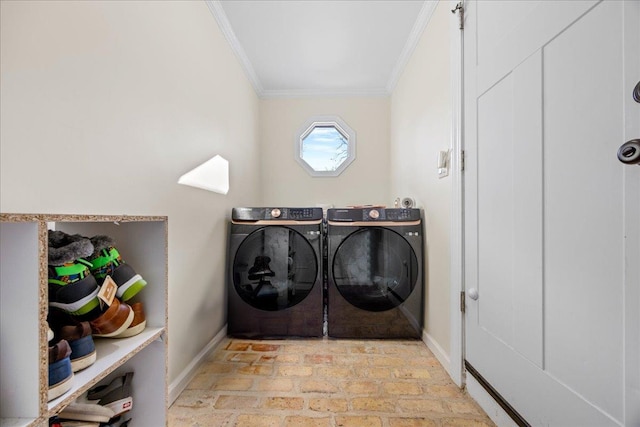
(142, 241)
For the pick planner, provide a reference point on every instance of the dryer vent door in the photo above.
(275, 268)
(375, 269)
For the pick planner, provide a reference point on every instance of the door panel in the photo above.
(584, 197)
(510, 216)
(495, 210)
(527, 200)
(549, 243)
(524, 26)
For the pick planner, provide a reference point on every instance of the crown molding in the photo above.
(322, 93)
(225, 26)
(426, 12)
(421, 23)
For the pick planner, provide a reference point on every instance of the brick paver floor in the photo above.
(324, 383)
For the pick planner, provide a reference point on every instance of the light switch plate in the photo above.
(443, 164)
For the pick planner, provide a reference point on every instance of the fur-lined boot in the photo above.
(72, 287)
(106, 260)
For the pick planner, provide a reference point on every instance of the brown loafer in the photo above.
(114, 321)
(138, 324)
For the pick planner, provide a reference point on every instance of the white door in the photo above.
(552, 217)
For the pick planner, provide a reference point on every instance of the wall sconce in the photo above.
(212, 175)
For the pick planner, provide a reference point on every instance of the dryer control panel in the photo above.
(276, 214)
(373, 214)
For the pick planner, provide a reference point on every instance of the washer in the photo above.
(275, 273)
(375, 273)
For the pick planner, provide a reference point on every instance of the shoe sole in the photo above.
(60, 388)
(67, 423)
(132, 331)
(87, 412)
(120, 330)
(131, 287)
(83, 362)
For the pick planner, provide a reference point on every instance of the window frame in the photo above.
(326, 121)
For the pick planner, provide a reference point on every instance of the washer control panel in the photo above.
(276, 214)
(405, 214)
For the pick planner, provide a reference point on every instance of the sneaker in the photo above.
(72, 287)
(116, 395)
(60, 372)
(114, 321)
(77, 333)
(138, 324)
(106, 260)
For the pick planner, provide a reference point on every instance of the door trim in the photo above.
(456, 317)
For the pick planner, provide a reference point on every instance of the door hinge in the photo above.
(462, 304)
(462, 160)
(460, 9)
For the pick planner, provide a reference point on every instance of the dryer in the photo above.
(275, 273)
(375, 283)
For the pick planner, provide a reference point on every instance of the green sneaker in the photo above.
(72, 287)
(106, 260)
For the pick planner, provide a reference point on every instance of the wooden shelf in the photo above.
(142, 242)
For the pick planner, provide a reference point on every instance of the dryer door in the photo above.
(375, 269)
(275, 268)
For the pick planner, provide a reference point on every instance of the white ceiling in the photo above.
(294, 48)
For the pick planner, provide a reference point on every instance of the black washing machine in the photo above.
(375, 273)
(275, 273)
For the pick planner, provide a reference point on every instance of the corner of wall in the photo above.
(178, 385)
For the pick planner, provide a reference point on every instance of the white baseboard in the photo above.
(437, 351)
(486, 402)
(180, 383)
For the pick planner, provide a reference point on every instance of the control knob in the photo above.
(374, 214)
(276, 213)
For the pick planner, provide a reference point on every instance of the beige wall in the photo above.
(104, 105)
(420, 127)
(286, 183)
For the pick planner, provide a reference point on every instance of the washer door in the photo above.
(375, 269)
(274, 268)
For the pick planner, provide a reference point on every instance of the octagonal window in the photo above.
(325, 146)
